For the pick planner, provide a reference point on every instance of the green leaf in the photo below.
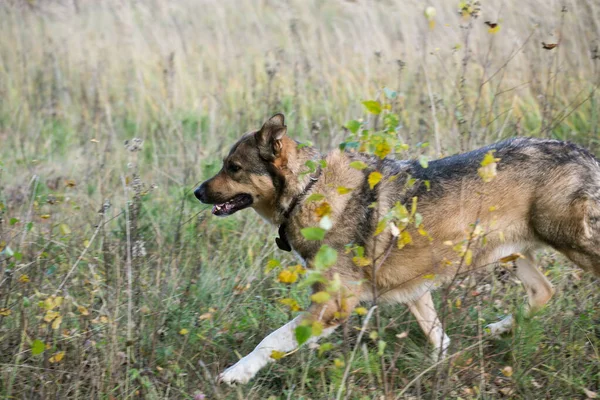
(37, 347)
(326, 257)
(372, 106)
(353, 126)
(8, 252)
(315, 197)
(13, 221)
(312, 166)
(303, 333)
(325, 347)
(313, 233)
(358, 165)
(423, 161)
(311, 278)
(349, 145)
(380, 347)
(271, 265)
(29, 226)
(418, 219)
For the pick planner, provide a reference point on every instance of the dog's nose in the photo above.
(200, 193)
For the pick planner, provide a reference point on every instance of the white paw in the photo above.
(240, 372)
(440, 351)
(500, 327)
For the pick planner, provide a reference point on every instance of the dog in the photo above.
(541, 193)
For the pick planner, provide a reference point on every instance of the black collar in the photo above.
(282, 240)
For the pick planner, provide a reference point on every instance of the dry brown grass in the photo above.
(188, 77)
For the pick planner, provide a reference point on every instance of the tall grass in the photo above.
(154, 296)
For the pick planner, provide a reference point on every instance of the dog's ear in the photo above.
(269, 137)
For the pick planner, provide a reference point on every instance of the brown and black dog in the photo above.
(545, 192)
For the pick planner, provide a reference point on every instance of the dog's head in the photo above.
(251, 175)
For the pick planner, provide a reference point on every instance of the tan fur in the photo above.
(535, 199)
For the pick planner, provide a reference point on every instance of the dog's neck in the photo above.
(297, 177)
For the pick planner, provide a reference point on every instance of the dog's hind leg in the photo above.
(424, 311)
(539, 291)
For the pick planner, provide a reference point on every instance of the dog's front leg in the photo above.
(283, 340)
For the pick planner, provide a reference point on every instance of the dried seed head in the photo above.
(134, 144)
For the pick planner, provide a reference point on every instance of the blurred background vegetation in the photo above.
(116, 283)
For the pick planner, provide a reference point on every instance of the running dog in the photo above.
(544, 193)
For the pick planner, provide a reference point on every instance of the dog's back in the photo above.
(557, 184)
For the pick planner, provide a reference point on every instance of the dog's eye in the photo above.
(233, 168)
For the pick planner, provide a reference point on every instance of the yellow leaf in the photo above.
(205, 316)
(184, 332)
(507, 371)
(50, 315)
(413, 208)
(512, 257)
(429, 276)
(52, 302)
(458, 303)
(489, 165)
(361, 311)
(56, 323)
(361, 261)
(343, 190)
(5, 312)
(495, 29)
(404, 239)
(24, 278)
(338, 363)
(317, 328)
(380, 227)
(83, 311)
(374, 178)
(323, 209)
(382, 149)
(45, 216)
(277, 355)
(320, 297)
(291, 303)
(57, 357)
(468, 257)
(64, 229)
(287, 276)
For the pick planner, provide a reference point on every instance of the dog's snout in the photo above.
(200, 192)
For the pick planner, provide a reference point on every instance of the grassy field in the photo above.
(116, 283)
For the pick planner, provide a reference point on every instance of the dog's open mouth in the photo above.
(237, 203)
